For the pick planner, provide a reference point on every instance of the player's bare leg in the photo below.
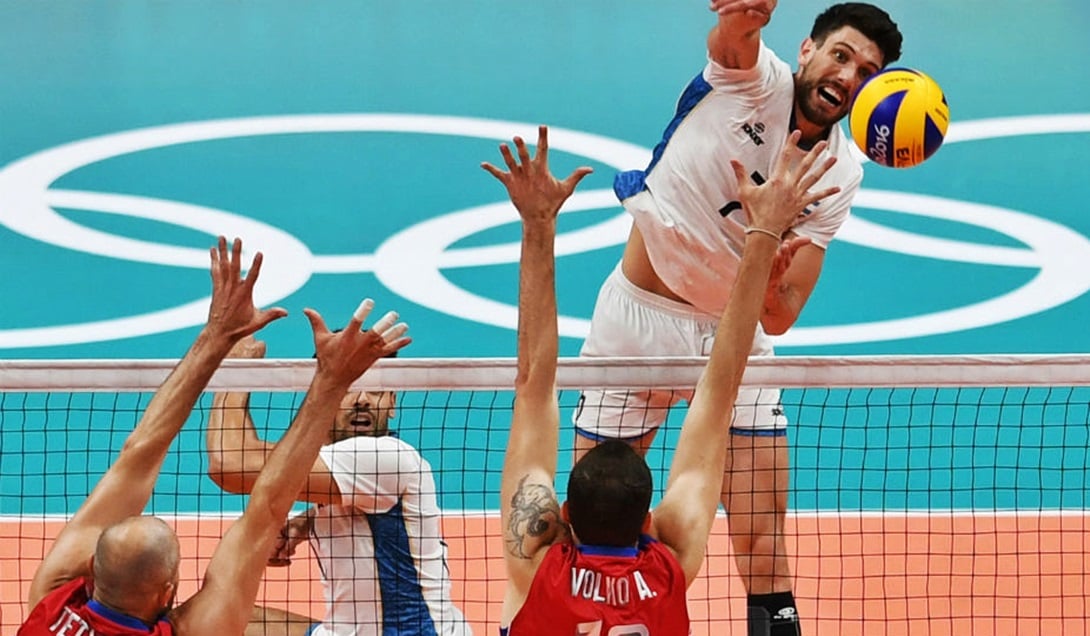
(755, 496)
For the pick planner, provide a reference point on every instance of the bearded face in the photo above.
(830, 72)
(364, 413)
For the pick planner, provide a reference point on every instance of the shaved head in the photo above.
(134, 562)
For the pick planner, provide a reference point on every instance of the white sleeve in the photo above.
(372, 472)
(820, 227)
(826, 221)
(755, 82)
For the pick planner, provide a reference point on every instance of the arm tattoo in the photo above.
(535, 513)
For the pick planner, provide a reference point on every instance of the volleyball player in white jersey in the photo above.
(375, 529)
(679, 264)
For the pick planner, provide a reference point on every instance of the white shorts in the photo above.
(629, 321)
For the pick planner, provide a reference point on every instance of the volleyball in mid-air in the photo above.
(899, 117)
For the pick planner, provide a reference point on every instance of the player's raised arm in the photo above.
(530, 513)
(224, 603)
(126, 487)
(683, 519)
(736, 40)
(235, 452)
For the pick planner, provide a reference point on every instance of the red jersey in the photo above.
(70, 611)
(600, 591)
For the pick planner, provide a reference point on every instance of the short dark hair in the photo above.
(609, 494)
(865, 18)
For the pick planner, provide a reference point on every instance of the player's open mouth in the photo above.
(362, 419)
(831, 95)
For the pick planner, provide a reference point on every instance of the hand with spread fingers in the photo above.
(232, 313)
(773, 205)
(533, 189)
(345, 355)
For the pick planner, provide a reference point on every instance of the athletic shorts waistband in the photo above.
(654, 301)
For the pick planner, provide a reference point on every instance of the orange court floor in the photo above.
(884, 575)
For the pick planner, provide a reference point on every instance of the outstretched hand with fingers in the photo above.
(232, 313)
(536, 193)
(774, 204)
(345, 355)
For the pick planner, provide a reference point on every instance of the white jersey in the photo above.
(381, 553)
(686, 202)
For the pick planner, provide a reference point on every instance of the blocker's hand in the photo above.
(536, 193)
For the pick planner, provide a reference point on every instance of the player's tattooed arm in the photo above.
(534, 520)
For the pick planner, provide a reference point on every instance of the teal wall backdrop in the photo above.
(73, 71)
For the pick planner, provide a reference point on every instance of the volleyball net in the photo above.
(928, 495)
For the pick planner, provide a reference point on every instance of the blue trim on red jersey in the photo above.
(115, 616)
(608, 550)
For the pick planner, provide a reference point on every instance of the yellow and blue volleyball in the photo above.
(899, 117)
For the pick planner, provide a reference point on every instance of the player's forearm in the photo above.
(538, 336)
(735, 41)
(783, 303)
(701, 449)
(173, 402)
(289, 464)
(734, 338)
(236, 454)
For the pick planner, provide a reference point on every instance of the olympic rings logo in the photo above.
(411, 263)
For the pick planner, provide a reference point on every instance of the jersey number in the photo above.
(734, 206)
(595, 629)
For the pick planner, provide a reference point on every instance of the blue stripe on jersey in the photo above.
(606, 550)
(115, 616)
(630, 183)
(403, 608)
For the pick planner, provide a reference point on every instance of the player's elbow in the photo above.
(776, 329)
(218, 475)
(774, 325)
(228, 478)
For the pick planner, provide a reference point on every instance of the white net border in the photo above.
(1023, 370)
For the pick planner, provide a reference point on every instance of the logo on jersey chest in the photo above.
(754, 131)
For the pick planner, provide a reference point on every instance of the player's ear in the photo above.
(806, 51)
(90, 576)
(393, 404)
(646, 529)
(166, 596)
(564, 513)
